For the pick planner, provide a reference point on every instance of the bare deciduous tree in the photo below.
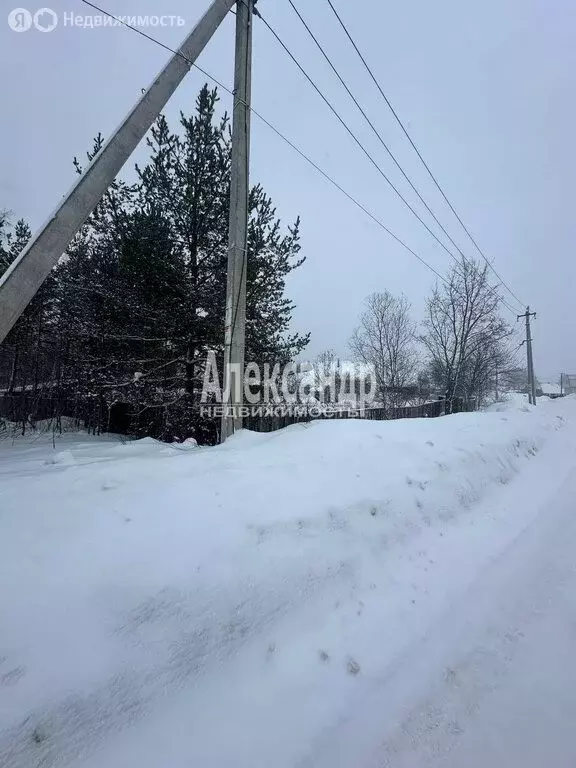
(465, 336)
(386, 340)
(325, 371)
(324, 365)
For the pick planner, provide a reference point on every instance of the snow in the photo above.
(509, 401)
(254, 604)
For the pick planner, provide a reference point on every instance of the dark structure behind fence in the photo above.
(96, 416)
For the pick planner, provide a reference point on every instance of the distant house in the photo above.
(551, 389)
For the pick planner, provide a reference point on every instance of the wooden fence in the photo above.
(95, 415)
(431, 410)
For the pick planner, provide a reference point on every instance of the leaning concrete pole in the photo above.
(26, 274)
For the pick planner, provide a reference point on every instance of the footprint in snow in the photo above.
(353, 667)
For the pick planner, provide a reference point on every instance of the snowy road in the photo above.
(340, 595)
(494, 680)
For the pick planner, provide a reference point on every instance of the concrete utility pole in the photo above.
(531, 379)
(235, 324)
(26, 274)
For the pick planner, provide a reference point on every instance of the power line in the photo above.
(278, 133)
(424, 163)
(290, 143)
(364, 150)
(504, 301)
(354, 137)
(368, 155)
(381, 140)
(158, 42)
(372, 126)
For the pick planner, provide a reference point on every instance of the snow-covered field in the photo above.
(252, 604)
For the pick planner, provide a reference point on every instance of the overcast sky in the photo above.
(486, 90)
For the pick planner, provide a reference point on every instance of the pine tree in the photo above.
(130, 312)
(271, 257)
(26, 358)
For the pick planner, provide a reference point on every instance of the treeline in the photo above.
(130, 311)
(461, 351)
(118, 334)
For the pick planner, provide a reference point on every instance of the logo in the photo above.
(21, 20)
(45, 20)
(292, 389)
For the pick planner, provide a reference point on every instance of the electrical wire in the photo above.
(275, 130)
(286, 140)
(419, 154)
(353, 135)
(365, 151)
(372, 126)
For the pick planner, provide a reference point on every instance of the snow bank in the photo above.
(162, 605)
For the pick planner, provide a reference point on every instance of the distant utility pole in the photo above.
(26, 274)
(235, 323)
(531, 380)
